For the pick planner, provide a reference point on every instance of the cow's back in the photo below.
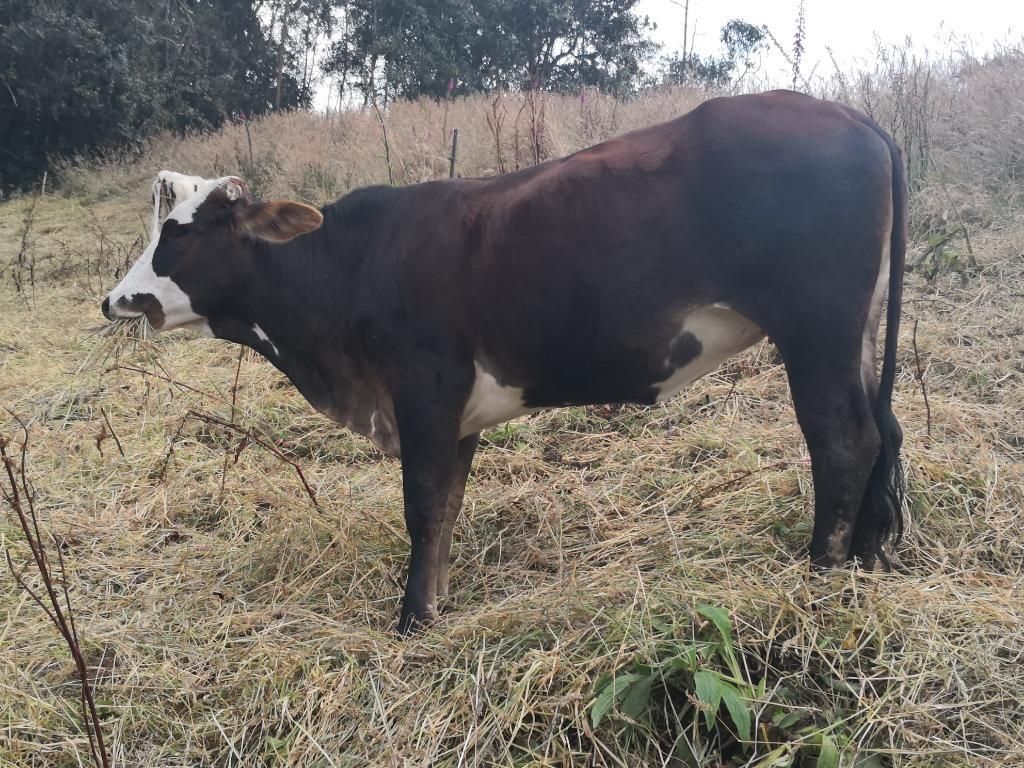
(591, 262)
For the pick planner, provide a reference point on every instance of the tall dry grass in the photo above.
(318, 157)
(959, 119)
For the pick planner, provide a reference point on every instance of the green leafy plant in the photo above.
(701, 694)
(708, 674)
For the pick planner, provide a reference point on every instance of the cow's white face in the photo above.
(145, 290)
(199, 263)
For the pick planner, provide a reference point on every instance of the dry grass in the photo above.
(231, 623)
(317, 158)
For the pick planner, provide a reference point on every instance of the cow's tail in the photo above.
(886, 487)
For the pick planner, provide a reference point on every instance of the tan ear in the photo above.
(278, 221)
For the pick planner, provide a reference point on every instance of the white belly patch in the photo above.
(490, 404)
(721, 333)
(713, 334)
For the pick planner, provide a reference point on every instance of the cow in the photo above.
(419, 316)
(170, 189)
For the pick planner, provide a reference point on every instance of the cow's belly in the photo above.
(713, 334)
(490, 404)
(708, 337)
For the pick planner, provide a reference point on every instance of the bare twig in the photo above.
(701, 497)
(920, 380)
(170, 450)
(248, 138)
(113, 434)
(20, 496)
(455, 153)
(249, 437)
(387, 145)
(164, 377)
(234, 386)
(495, 121)
(234, 400)
(956, 210)
(21, 261)
(793, 63)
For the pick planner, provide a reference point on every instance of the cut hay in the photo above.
(118, 337)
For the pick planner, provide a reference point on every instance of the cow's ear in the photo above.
(278, 221)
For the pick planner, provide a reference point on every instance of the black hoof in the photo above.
(413, 622)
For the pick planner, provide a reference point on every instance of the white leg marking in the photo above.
(262, 336)
(721, 332)
(490, 404)
(839, 542)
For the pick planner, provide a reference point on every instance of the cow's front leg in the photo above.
(429, 434)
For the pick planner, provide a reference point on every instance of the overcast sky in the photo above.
(848, 27)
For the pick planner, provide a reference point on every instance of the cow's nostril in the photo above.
(106, 308)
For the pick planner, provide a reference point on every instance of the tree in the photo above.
(410, 48)
(82, 76)
(64, 84)
(741, 40)
(299, 24)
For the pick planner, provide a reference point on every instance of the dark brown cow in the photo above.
(421, 315)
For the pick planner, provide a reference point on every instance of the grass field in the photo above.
(629, 585)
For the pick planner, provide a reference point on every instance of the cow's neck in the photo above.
(294, 314)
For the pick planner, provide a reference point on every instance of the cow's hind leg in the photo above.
(881, 513)
(836, 418)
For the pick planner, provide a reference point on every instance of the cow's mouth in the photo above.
(140, 304)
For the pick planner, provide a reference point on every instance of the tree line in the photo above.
(82, 77)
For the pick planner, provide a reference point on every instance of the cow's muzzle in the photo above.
(140, 304)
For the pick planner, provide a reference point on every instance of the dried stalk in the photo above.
(20, 496)
(919, 375)
(249, 437)
(163, 377)
(113, 434)
(21, 261)
(387, 145)
(234, 400)
(956, 209)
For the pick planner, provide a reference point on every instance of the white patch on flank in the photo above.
(721, 332)
(490, 404)
(870, 342)
(262, 336)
